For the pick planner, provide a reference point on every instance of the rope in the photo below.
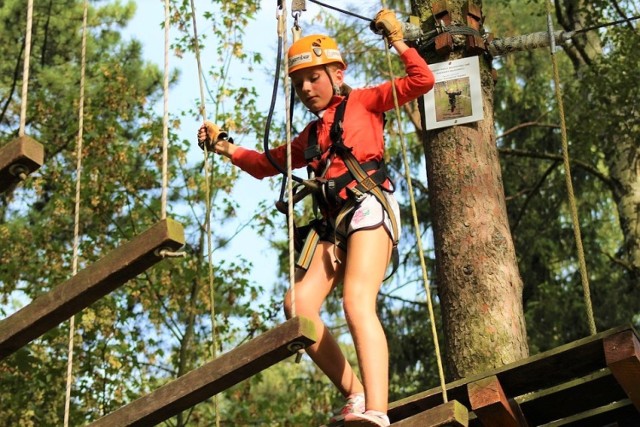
(203, 113)
(281, 15)
(567, 169)
(165, 115)
(25, 69)
(76, 221)
(416, 225)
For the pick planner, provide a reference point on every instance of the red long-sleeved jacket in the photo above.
(362, 124)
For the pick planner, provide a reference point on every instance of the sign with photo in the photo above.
(456, 97)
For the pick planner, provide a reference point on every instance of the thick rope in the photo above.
(282, 22)
(76, 221)
(416, 224)
(214, 352)
(567, 169)
(165, 115)
(25, 68)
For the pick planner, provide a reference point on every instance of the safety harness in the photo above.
(327, 196)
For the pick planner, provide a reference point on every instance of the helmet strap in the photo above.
(336, 89)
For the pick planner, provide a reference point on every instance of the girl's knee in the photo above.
(355, 309)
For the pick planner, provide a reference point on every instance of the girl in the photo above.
(353, 242)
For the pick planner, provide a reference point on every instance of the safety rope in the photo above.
(165, 115)
(282, 22)
(76, 221)
(208, 231)
(25, 69)
(567, 170)
(416, 224)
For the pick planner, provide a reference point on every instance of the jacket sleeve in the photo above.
(257, 164)
(418, 80)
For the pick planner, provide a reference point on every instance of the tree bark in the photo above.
(477, 275)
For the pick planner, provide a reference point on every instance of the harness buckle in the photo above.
(358, 195)
(368, 183)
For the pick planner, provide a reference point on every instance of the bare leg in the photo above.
(311, 290)
(368, 254)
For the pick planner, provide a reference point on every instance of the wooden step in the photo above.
(585, 378)
(88, 285)
(451, 414)
(215, 376)
(18, 159)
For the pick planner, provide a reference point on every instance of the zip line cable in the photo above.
(208, 209)
(337, 9)
(567, 169)
(607, 24)
(76, 221)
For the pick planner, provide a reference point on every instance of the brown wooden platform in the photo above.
(215, 376)
(19, 158)
(88, 285)
(594, 381)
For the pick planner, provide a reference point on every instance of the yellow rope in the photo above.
(76, 222)
(567, 170)
(416, 226)
(203, 113)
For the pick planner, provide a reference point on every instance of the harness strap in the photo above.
(309, 248)
(365, 184)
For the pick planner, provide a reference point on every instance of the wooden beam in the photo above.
(18, 159)
(491, 405)
(622, 353)
(621, 413)
(449, 414)
(215, 376)
(88, 285)
(595, 390)
(543, 370)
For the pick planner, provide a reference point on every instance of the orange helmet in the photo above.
(313, 50)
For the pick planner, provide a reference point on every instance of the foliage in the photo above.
(534, 178)
(157, 326)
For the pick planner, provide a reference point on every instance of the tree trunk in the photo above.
(624, 166)
(477, 274)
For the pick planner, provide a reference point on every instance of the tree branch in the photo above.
(556, 157)
(534, 191)
(524, 125)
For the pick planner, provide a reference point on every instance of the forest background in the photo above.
(158, 326)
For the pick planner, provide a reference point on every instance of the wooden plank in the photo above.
(621, 414)
(544, 370)
(19, 158)
(622, 353)
(592, 391)
(88, 285)
(215, 376)
(492, 406)
(452, 414)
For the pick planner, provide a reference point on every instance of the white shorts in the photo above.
(370, 214)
